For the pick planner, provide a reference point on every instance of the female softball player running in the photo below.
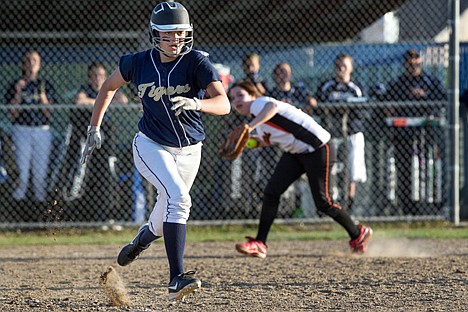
(171, 79)
(306, 150)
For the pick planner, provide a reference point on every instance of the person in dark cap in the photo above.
(413, 85)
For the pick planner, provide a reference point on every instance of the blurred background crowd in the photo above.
(375, 74)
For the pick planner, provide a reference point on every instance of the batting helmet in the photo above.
(171, 16)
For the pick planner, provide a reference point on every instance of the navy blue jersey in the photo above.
(336, 91)
(400, 89)
(189, 75)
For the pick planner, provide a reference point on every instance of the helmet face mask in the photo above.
(171, 17)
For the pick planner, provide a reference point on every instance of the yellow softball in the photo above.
(251, 143)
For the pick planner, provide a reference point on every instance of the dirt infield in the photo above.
(396, 275)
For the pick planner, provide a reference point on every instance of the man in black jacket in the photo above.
(417, 86)
(414, 84)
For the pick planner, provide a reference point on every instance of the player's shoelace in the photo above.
(188, 274)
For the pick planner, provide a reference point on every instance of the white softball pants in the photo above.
(32, 150)
(172, 171)
(357, 158)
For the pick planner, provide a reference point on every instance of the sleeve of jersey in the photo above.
(257, 106)
(126, 66)
(206, 73)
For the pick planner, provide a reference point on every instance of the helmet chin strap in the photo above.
(169, 55)
(183, 51)
(166, 53)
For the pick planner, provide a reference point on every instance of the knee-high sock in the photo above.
(147, 237)
(174, 240)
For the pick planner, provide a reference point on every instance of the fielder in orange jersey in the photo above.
(307, 149)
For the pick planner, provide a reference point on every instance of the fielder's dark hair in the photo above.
(247, 86)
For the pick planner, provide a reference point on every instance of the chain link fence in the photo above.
(406, 135)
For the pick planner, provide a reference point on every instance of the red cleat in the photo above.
(359, 245)
(253, 247)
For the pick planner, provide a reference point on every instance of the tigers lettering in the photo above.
(157, 92)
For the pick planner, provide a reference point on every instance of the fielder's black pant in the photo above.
(317, 166)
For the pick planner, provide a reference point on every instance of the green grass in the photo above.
(424, 230)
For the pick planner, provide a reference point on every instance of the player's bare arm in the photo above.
(265, 114)
(105, 95)
(218, 102)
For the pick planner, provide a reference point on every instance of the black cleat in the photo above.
(130, 252)
(183, 285)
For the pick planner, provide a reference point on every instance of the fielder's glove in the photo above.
(235, 143)
(93, 140)
(181, 103)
